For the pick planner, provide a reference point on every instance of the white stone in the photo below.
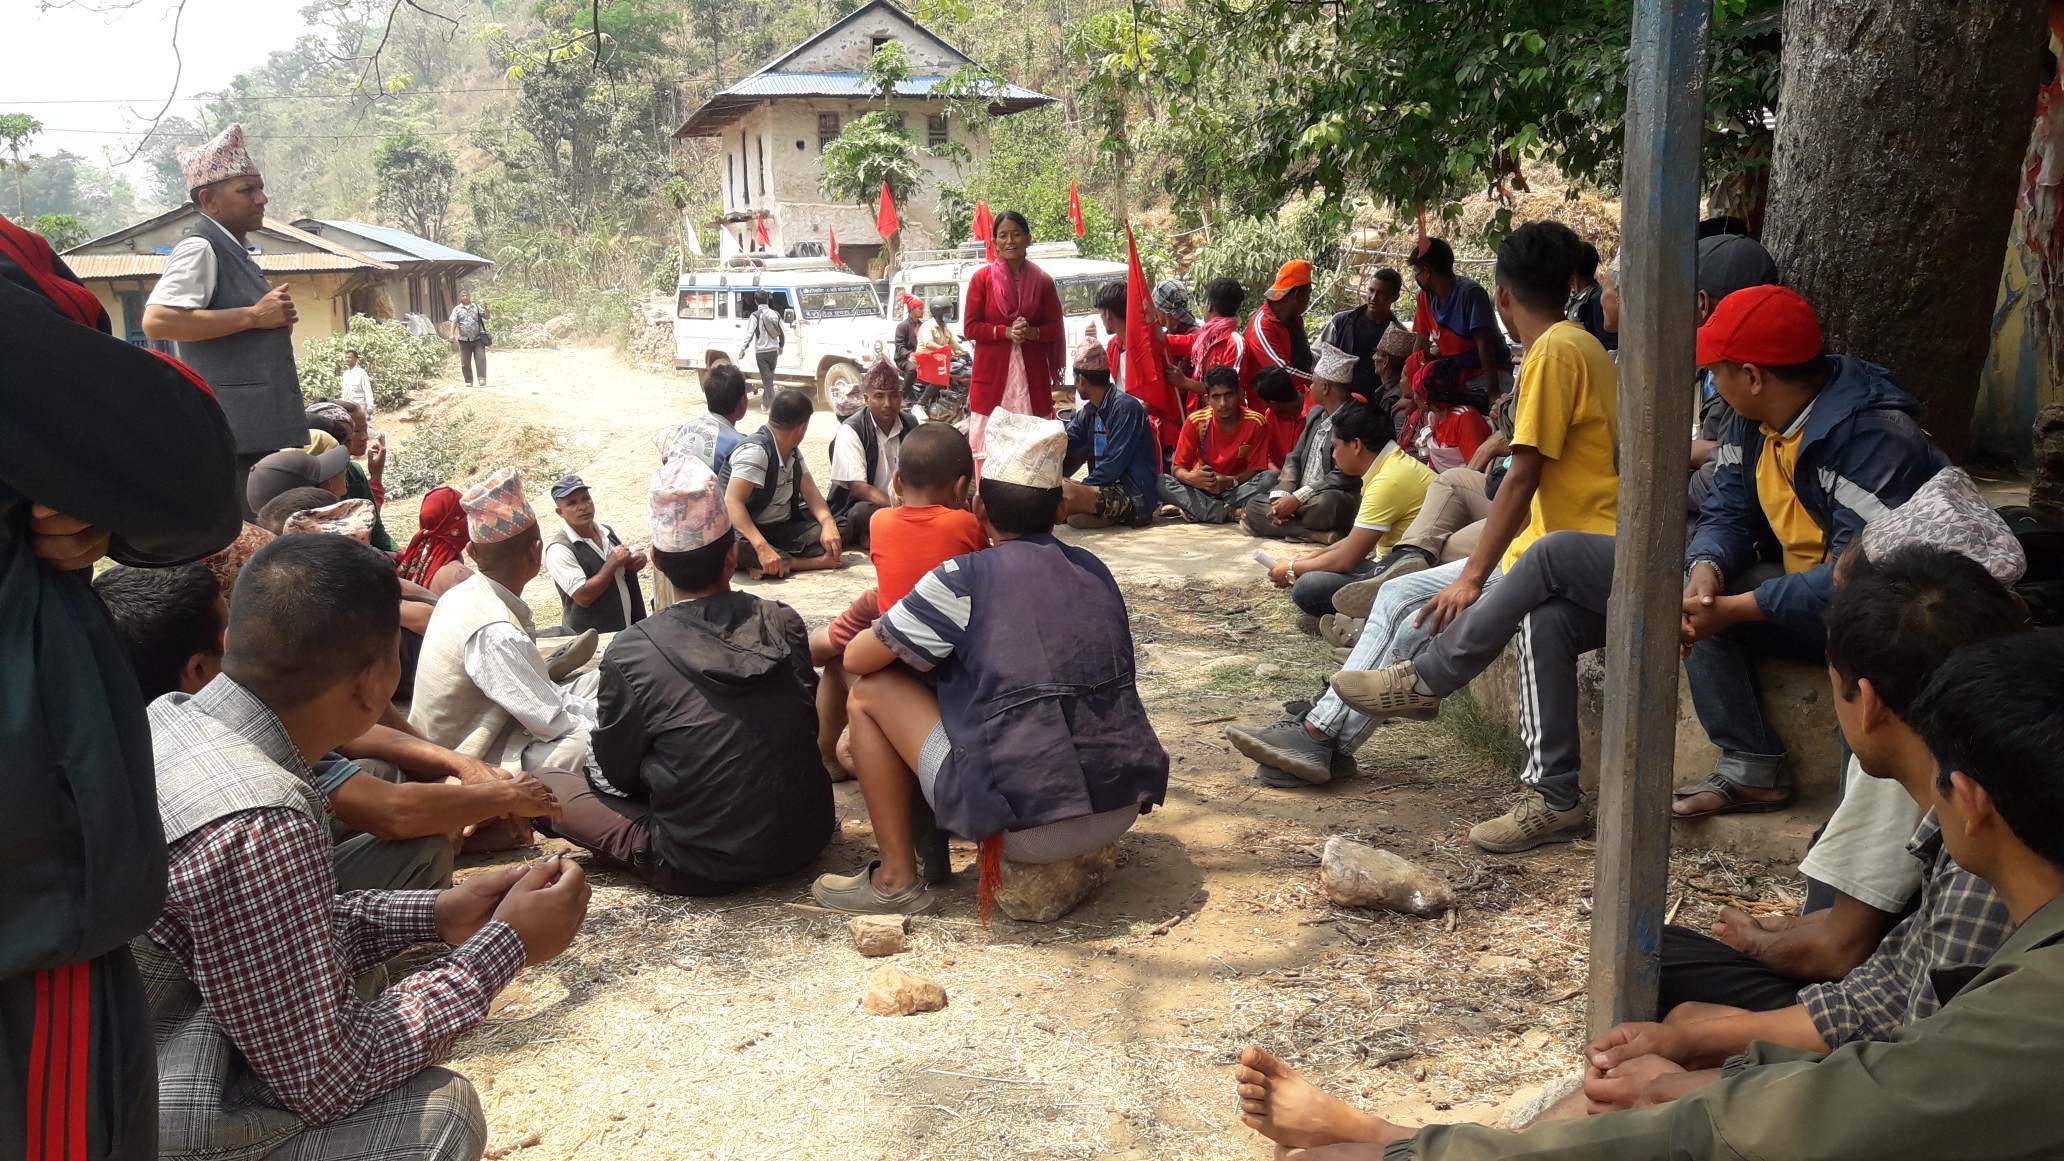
(891, 991)
(875, 935)
(1355, 875)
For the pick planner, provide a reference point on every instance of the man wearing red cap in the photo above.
(1820, 447)
(1275, 335)
(906, 344)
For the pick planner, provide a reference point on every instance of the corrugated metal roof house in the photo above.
(426, 275)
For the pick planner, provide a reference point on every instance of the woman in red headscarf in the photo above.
(1013, 316)
(432, 559)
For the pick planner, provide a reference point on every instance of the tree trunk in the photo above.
(1901, 126)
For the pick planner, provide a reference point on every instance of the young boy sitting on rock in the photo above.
(929, 525)
(1034, 742)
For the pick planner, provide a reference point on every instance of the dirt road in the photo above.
(731, 1027)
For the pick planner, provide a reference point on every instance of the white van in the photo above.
(939, 275)
(834, 321)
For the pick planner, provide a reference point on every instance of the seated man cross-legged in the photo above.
(1034, 738)
(1309, 497)
(707, 720)
(1221, 455)
(773, 502)
(1974, 1076)
(264, 1047)
(1111, 436)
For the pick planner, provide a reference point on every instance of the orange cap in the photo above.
(1294, 273)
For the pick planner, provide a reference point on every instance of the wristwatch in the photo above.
(1709, 562)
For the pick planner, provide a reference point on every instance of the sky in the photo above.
(114, 69)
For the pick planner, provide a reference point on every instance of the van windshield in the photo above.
(840, 302)
(1078, 295)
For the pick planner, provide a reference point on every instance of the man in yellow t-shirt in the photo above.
(1393, 487)
(1562, 477)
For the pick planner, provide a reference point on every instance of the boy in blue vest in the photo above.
(772, 501)
(1031, 735)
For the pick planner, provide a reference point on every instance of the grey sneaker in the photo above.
(1342, 766)
(1286, 747)
(1307, 624)
(1390, 692)
(1530, 824)
(857, 895)
(1358, 598)
(569, 657)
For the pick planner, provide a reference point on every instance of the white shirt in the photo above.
(849, 459)
(749, 463)
(189, 278)
(566, 570)
(505, 663)
(355, 386)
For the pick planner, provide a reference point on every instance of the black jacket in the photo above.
(1332, 479)
(115, 436)
(709, 716)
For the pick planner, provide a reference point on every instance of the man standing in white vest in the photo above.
(232, 326)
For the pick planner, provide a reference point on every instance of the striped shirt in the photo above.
(929, 623)
(1960, 924)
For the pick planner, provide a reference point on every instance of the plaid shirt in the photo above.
(1960, 924)
(253, 915)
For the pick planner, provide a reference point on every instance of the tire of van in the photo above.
(841, 373)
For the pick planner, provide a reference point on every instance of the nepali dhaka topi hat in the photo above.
(496, 509)
(686, 508)
(1949, 512)
(1024, 449)
(219, 160)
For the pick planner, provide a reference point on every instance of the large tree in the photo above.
(1900, 131)
(16, 131)
(415, 182)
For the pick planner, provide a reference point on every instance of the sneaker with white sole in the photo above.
(1307, 624)
(1358, 598)
(1287, 747)
(1530, 824)
(1390, 692)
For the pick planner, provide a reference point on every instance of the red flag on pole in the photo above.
(759, 232)
(1075, 209)
(832, 246)
(886, 223)
(1146, 351)
(985, 229)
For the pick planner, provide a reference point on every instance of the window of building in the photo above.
(763, 165)
(697, 304)
(875, 42)
(827, 130)
(935, 130)
(730, 178)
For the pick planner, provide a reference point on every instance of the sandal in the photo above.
(1732, 800)
(857, 894)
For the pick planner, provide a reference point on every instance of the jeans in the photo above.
(1721, 673)
(473, 360)
(1389, 636)
(1313, 591)
(1554, 601)
(766, 360)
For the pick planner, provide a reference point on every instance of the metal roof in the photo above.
(727, 106)
(101, 267)
(398, 245)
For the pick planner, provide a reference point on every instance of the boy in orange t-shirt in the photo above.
(929, 526)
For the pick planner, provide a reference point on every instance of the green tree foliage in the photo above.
(62, 231)
(1252, 249)
(415, 179)
(398, 362)
(875, 147)
(65, 183)
(1422, 104)
(1028, 170)
(16, 131)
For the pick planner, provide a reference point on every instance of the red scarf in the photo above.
(440, 539)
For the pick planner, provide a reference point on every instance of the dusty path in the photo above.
(731, 1027)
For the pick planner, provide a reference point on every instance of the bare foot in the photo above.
(1707, 803)
(1746, 933)
(1290, 1110)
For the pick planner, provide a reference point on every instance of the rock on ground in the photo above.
(874, 935)
(1355, 875)
(891, 991)
(1043, 892)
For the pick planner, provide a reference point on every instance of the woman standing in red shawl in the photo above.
(1013, 312)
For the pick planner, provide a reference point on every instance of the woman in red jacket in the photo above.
(1013, 312)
